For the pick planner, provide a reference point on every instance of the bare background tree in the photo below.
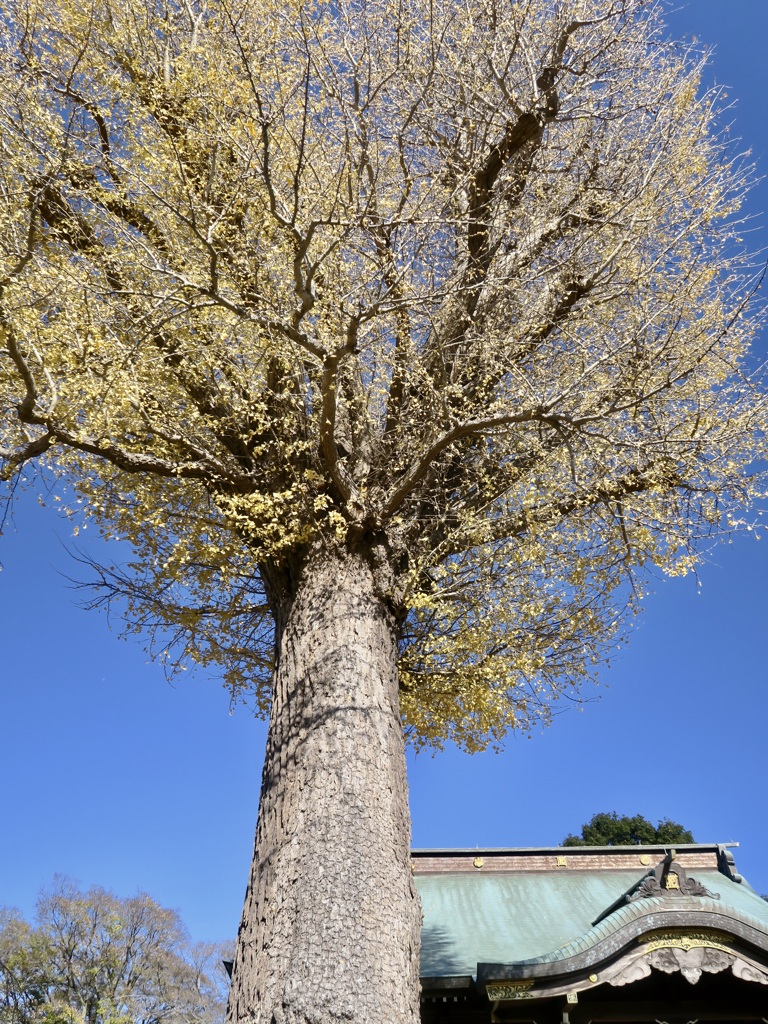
(93, 958)
(397, 338)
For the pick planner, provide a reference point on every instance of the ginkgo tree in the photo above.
(399, 338)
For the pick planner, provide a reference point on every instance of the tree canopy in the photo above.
(94, 958)
(612, 829)
(466, 280)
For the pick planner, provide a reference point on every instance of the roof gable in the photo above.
(517, 913)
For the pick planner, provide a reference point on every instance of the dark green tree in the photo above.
(610, 829)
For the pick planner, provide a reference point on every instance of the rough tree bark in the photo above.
(331, 869)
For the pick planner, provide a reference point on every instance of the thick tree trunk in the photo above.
(330, 928)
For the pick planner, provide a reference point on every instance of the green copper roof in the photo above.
(508, 917)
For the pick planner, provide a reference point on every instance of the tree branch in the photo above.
(660, 472)
(419, 468)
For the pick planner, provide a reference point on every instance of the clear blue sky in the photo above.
(112, 776)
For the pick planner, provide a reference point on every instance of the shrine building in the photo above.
(590, 935)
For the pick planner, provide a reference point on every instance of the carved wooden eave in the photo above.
(690, 951)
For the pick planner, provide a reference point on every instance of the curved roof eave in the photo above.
(624, 927)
